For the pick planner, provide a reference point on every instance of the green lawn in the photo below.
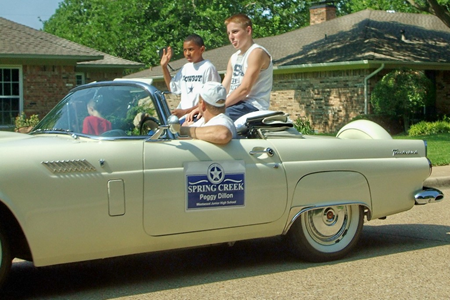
(438, 147)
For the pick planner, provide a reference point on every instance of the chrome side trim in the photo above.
(430, 166)
(428, 195)
(69, 166)
(296, 211)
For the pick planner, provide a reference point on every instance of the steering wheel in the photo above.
(148, 126)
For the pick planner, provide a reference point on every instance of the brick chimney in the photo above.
(321, 11)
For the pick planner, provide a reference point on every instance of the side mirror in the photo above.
(174, 124)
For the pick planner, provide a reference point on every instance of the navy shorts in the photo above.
(239, 109)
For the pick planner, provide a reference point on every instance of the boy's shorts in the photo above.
(239, 109)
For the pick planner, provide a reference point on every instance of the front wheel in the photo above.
(326, 234)
(5, 258)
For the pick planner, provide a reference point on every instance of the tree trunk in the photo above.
(432, 7)
(406, 120)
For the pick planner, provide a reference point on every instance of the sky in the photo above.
(27, 12)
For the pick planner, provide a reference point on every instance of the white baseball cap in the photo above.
(213, 93)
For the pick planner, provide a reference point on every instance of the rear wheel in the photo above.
(326, 234)
(5, 258)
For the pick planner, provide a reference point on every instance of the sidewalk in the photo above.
(440, 177)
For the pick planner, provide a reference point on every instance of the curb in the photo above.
(437, 182)
(440, 177)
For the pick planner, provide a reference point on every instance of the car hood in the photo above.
(13, 144)
(7, 135)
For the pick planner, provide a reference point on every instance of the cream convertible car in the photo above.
(129, 183)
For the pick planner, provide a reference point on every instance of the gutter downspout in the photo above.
(366, 92)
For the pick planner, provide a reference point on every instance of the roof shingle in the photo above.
(20, 41)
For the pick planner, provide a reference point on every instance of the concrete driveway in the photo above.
(406, 256)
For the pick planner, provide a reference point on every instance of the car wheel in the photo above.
(326, 234)
(5, 257)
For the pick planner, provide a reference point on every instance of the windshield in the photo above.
(103, 111)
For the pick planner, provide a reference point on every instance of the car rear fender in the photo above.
(363, 129)
(323, 189)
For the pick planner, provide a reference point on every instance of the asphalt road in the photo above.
(406, 256)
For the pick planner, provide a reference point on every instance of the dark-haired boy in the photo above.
(191, 77)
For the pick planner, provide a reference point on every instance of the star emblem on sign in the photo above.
(215, 173)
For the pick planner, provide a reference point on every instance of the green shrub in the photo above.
(303, 126)
(390, 124)
(428, 128)
(23, 121)
(402, 94)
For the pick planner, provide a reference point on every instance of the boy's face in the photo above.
(193, 52)
(238, 35)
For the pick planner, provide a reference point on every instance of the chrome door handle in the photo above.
(261, 150)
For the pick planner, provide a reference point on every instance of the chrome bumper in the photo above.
(428, 195)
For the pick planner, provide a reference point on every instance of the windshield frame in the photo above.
(158, 100)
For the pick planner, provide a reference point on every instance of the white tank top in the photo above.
(259, 95)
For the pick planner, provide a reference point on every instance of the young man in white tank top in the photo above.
(249, 75)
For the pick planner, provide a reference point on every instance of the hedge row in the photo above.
(427, 128)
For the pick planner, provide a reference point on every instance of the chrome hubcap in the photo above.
(329, 225)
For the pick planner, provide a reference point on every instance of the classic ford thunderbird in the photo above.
(106, 173)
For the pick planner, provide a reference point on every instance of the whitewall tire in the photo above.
(327, 233)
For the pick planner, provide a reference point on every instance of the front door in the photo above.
(192, 185)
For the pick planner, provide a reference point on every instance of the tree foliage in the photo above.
(351, 6)
(137, 29)
(401, 94)
(439, 8)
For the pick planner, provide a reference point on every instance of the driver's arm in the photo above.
(216, 134)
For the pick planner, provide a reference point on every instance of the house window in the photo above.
(80, 78)
(9, 95)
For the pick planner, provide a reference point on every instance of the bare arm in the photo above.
(216, 134)
(227, 78)
(179, 112)
(258, 60)
(194, 112)
(165, 59)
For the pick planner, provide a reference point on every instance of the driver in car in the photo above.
(95, 124)
(215, 127)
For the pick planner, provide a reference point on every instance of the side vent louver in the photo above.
(69, 166)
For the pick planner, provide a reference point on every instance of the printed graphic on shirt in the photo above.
(190, 80)
(193, 78)
(238, 73)
(238, 70)
(215, 184)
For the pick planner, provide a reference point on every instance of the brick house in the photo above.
(326, 71)
(37, 70)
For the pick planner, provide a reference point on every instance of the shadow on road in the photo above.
(146, 273)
